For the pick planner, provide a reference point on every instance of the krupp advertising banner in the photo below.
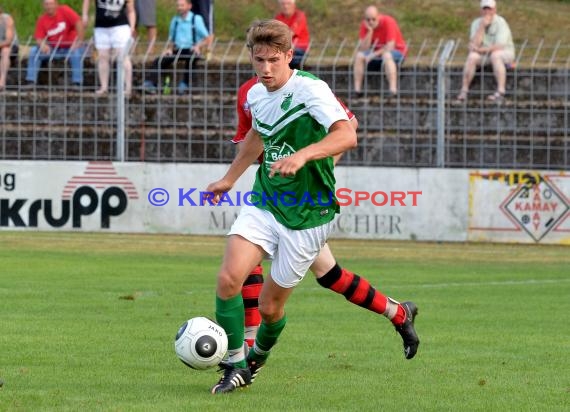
(376, 203)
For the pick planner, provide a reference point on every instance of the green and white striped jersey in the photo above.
(289, 119)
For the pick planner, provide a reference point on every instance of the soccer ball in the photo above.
(201, 343)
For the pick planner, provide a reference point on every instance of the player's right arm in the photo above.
(248, 152)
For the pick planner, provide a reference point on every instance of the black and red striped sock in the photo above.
(358, 290)
(250, 292)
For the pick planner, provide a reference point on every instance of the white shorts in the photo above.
(116, 37)
(507, 56)
(292, 251)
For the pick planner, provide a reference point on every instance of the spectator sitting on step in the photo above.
(187, 36)
(59, 35)
(490, 41)
(8, 45)
(297, 22)
(381, 44)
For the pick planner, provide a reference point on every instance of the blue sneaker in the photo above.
(149, 87)
(182, 88)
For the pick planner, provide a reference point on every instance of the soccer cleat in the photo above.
(254, 368)
(407, 330)
(232, 378)
(225, 364)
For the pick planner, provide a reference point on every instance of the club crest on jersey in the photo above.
(287, 100)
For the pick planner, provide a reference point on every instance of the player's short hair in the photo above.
(271, 33)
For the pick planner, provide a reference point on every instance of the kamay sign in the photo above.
(519, 206)
(454, 205)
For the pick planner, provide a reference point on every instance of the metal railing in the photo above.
(422, 126)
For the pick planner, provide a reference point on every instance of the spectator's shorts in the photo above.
(146, 13)
(112, 37)
(376, 64)
(14, 51)
(507, 55)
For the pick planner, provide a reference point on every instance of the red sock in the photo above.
(358, 290)
(250, 292)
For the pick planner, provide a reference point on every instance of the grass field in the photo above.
(88, 322)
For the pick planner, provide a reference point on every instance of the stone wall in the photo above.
(530, 129)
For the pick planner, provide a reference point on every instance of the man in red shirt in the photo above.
(59, 35)
(251, 288)
(297, 22)
(381, 43)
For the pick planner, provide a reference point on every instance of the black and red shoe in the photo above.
(407, 330)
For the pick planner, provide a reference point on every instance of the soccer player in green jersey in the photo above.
(299, 126)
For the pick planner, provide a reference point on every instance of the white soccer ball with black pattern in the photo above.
(201, 343)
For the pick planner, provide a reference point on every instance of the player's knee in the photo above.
(229, 283)
(270, 312)
(331, 277)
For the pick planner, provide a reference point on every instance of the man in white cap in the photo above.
(491, 41)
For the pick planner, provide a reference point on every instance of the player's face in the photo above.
(271, 66)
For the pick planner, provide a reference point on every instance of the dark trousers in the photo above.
(164, 62)
(205, 9)
(297, 60)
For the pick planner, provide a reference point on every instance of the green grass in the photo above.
(419, 19)
(88, 322)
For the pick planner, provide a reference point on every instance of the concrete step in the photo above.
(41, 108)
(179, 144)
(420, 81)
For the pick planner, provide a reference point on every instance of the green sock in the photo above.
(266, 338)
(230, 315)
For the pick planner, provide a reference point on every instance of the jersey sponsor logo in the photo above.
(287, 100)
(275, 153)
